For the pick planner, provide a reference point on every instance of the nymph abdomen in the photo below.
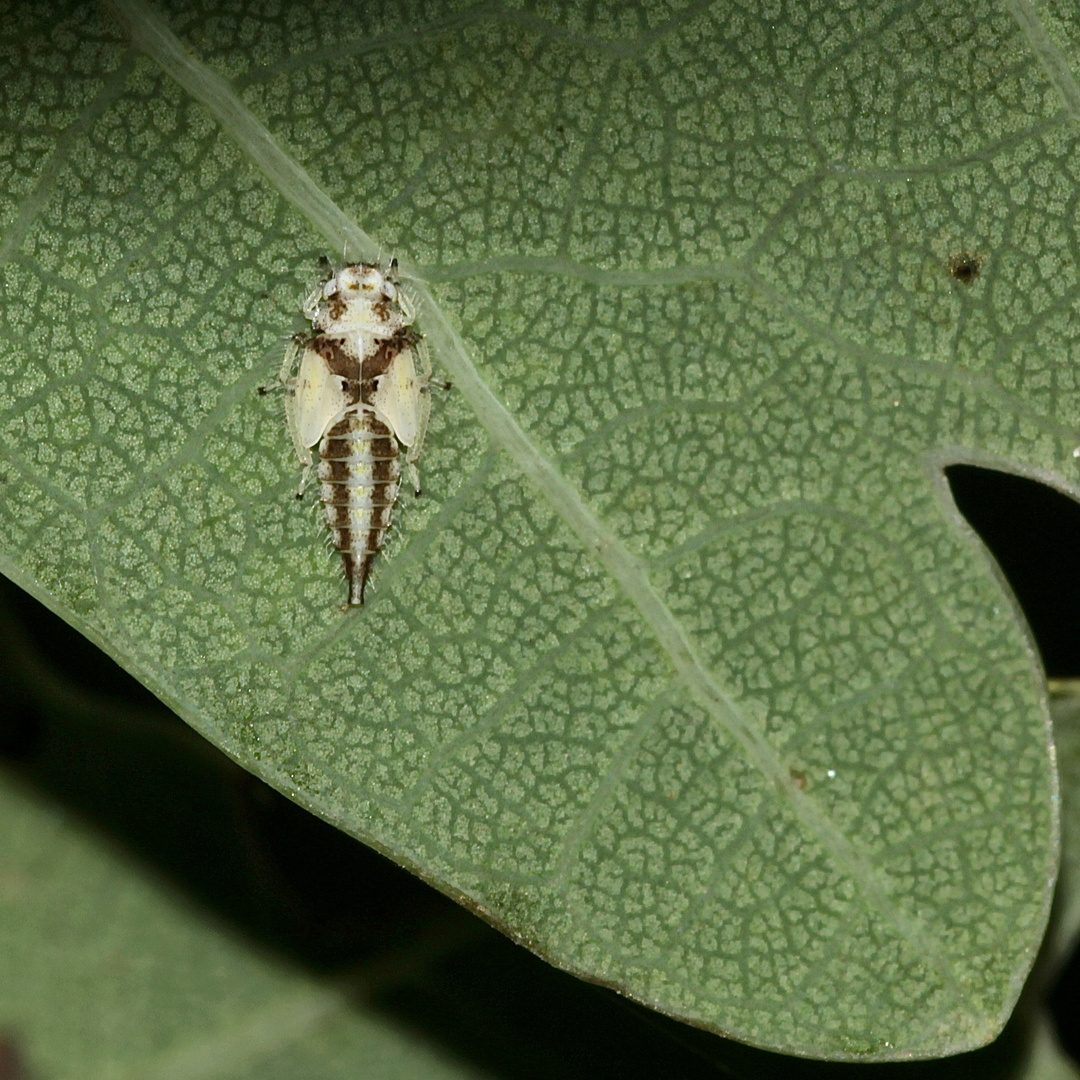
(359, 476)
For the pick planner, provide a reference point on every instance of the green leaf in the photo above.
(1065, 928)
(103, 973)
(1044, 1058)
(685, 670)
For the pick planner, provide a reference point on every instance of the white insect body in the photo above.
(359, 299)
(360, 390)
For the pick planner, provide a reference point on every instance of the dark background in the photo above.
(78, 728)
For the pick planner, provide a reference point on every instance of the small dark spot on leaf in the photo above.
(965, 267)
(798, 778)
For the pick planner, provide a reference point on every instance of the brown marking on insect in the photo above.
(359, 514)
(383, 497)
(379, 361)
(375, 364)
(336, 305)
(384, 449)
(338, 358)
(349, 564)
(965, 267)
(337, 471)
(384, 470)
(335, 444)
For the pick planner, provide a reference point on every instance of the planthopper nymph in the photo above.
(357, 388)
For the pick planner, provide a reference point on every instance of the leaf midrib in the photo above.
(1053, 63)
(151, 34)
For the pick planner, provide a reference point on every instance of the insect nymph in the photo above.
(357, 387)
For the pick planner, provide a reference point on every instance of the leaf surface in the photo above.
(685, 670)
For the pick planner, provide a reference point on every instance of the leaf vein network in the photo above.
(50, 172)
(491, 12)
(526, 678)
(873, 885)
